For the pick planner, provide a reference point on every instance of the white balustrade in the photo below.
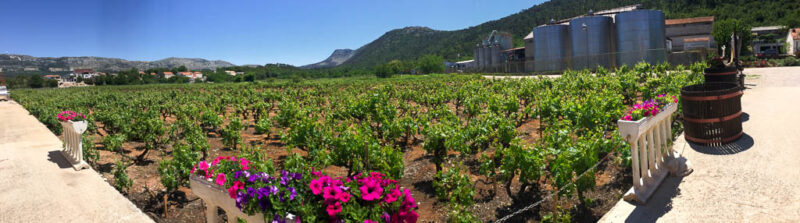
(652, 156)
(73, 145)
(217, 197)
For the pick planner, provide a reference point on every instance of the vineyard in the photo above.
(468, 148)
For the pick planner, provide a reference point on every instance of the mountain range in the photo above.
(20, 64)
(411, 43)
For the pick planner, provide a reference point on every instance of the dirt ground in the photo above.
(492, 200)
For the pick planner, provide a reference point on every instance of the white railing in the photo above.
(217, 197)
(73, 145)
(652, 156)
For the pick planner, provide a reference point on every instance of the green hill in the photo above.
(414, 42)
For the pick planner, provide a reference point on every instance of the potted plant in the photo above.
(73, 120)
(637, 120)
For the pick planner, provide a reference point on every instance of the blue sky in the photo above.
(238, 31)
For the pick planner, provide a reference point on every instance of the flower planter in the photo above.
(652, 156)
(217, 197)
(73, 145)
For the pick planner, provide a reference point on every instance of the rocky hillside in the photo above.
(338, 56)
(17, 64)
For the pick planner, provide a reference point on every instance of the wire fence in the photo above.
(550, 196)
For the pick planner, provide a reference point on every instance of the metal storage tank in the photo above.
(475, 56)
(551, 47)
(591, 41)
(640, 36)
(485, 60)
(497, 57)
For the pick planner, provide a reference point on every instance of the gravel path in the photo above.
(38, 185)
(755, 179)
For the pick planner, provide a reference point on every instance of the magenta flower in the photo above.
(392, 195)
(331, 193)
(370, 221)
(245, 164)
(237, 185)
(203, 165)
(334, 208)
(371, 190)
(343, 197)
(316, 186)
(221, 179)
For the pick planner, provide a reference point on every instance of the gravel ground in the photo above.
(755, 179)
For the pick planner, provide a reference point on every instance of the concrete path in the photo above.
(38, 185)
(755, 179)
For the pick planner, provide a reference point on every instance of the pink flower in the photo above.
(221, 179)
(244, 164)
(370, 221)
(215, 162)
(371, 190)
(334, 208)
(203, 165)
(408, 201)
(343, 197)
(193, 169)
(331, 193)
(237, 185)
(392, 195)
(316, 186)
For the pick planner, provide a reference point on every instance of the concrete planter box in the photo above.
(217, 197)
(73, 145)
(652, 157)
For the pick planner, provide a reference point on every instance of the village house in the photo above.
(168, 74)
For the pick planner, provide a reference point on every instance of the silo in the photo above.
(477, 56)
(551, 47)
(505, 40)
(485, 60)
(529, 51)
(497, 56)
(591, 41)
(640, 37)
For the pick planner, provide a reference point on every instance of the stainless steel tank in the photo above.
(476, 56)
(551, 48)
(640, 36)
(485, 60)
(497, 55)
(591, 42)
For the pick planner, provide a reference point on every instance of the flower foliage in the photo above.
(649, 108)
(70, 116)
(359, 198)
(363, 198)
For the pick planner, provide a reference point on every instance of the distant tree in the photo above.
(431, 64)
(723, 30)
(52, 83)
(36, 81)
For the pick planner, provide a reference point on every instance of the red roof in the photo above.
(197, 72)
(185, 73)
(689, 20)
(52, 76)
(168, 73)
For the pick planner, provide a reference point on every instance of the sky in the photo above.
(238, 31)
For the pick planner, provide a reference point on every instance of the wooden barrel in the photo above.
(722, 75)
(712, 113)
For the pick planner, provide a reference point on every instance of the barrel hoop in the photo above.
(713, 98)
(722, 74)
(713, 120)
(707, 141)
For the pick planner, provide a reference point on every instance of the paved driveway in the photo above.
(38, 185)
(755, 179)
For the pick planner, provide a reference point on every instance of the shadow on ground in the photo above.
(742, 144)
(56, 157)
(659, 203)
